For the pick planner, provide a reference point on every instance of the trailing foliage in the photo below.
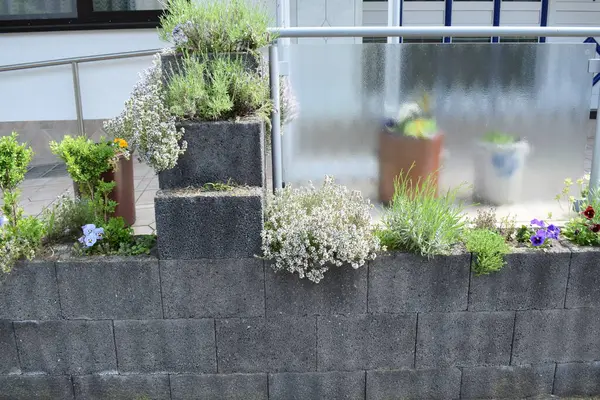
(218, 89)
(19, 236)
(308, 230)
(215, 26)
(418, 221)
(147, 124)
(489, 248)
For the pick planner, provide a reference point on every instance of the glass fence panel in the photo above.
(538, 93)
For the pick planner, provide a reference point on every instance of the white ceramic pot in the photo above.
(499, 170)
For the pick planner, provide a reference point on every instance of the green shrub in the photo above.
(215, 26)
(19, 236)
(419, 221)
(489, 248)
(218, 89)
(65, 218)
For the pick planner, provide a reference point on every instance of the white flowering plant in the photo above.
(147, 124)
(308, 230)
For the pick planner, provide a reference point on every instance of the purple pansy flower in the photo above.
(539, 238)
(88, 229)
(538, 222)
(552, 231)
(91, 235)
(3, 220)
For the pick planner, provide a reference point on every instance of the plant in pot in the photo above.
(409, 143)
(500, 160)
(101, 171)
(575, 203)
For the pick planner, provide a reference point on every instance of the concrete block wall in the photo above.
(401, 327)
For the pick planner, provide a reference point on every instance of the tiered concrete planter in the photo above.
(194, 223)
(400, 328)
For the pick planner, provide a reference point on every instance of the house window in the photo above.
(42, 15)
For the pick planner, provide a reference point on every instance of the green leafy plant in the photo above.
(414, 120)
(113, 238)
(65, 217)
(419, 221)
(499, 138)
(584, 230)
(219, 186)
(566, 198)
(215, 26)
(218, 89)
(489, 248)
(19, 236)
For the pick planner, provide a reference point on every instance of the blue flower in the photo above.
(552, 231)
(539, 223)
(539, 238)
(90, 240)
(91, 235)
(88, 229)
(3, 220)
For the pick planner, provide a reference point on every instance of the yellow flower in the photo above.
(121, 142)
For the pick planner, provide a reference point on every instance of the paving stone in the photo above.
(275, 344)
(343, 291)
(402, 282)
(166, 346)
(430, 384)
(213, 288)
(110, 288)
(556, 336)
(222, 387)
(507, 382)
(578, 379)
(350, 343)
(8, 349)
(43, 347)
(464, 339)
(35, 387)
(193, 224)
(530, 279)
(317, 386)
(122, 387)
(16, 288)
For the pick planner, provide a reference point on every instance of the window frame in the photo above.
(86, 19)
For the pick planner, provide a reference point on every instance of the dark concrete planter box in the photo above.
(195, 224)
(400, 327)
(218, 152)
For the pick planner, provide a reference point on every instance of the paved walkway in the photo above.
(44, 184)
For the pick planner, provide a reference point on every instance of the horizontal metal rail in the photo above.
(435, 31)
(78, 60)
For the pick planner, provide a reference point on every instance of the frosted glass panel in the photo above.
(537, 92)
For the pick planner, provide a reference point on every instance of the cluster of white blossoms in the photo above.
(308, 230)
(146, 123)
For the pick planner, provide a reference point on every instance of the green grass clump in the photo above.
(489, 248)
(419, 221)
(495, 137)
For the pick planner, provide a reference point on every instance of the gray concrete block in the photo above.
(66, 347)
(110, 288)
(166, 346)
(402, 282)
(16, 288)
(277, 344)
(531, 279)
(507, 382)
(213, 288)
(343, 291)
(122, 387)
(222, 387)
(464, 339)
(8, 349)
(35, 387)
(216, 152)
(584, 279)
(350, 343)
(432, 384)
(194, 224)
(577, 379)
(317, 386)
(557, 336)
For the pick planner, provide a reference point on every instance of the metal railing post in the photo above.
(275, 117)
(77, 91)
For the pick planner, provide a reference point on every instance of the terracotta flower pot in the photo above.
(397, 153)
(124, 191)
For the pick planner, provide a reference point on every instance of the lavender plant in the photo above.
(147, 124)
(308, 230)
